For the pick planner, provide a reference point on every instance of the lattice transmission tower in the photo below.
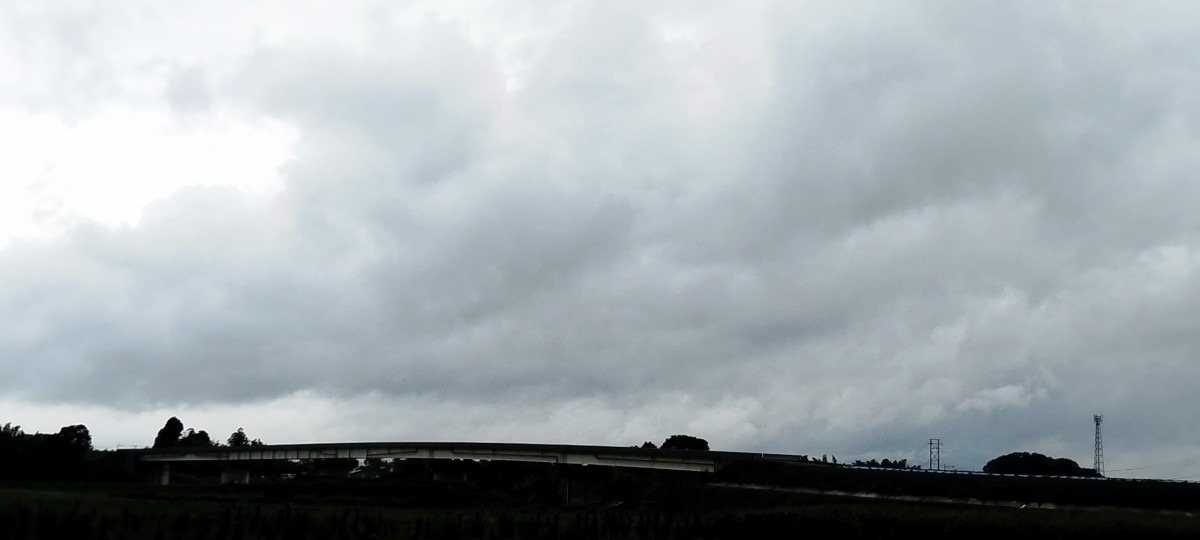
(935, 454)
(1099, 463)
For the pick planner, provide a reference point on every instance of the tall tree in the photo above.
(9, 430)
(169, 435)
(1035, 463)
(684, 442)
(195, 439)
(239, 438)
(76, 436)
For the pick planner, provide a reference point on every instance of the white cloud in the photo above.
(106, 168)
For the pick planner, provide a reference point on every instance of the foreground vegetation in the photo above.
(80, 511)
(1091, 492)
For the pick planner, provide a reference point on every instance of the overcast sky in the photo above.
(807, 227)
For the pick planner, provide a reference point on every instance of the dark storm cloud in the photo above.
(854, 229)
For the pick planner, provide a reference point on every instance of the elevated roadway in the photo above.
(563, 454)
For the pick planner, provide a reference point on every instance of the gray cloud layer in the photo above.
(855, 228)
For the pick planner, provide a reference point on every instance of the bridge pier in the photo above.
(164, 474)
(232, 474)
(578, 484)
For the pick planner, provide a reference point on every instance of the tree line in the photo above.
(69, 454)
(173, 435)
(679, 442)
(44, 455)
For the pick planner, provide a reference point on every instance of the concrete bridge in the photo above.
(563, 454)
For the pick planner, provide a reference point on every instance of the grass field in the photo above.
(81, 511)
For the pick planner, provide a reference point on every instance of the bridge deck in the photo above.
(617, 456)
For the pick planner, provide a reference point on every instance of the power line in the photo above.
(1136, 468)
(1178, 461)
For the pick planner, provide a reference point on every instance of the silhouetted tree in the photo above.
(684, 442)
(238, 438)
(1034, 463)
(9, 430)
(76, 436)
(649, 445)
(58, 456)
(195, 439)
(169, 435)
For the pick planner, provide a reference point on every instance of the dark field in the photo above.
(687, 510)
(1082, 492)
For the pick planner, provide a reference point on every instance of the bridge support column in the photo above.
(564, 489)
(164, 477)
(235, 475)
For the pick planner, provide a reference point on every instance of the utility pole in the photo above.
(935, 454)
(1099, 462)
